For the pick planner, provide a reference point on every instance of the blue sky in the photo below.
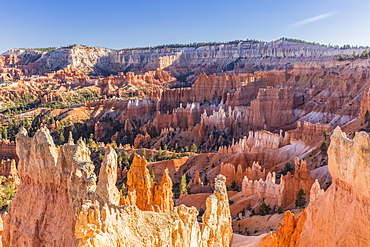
(123, 24)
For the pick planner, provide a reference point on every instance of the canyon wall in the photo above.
(243, 56)
(272, 108)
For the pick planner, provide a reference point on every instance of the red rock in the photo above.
(149, 196)
(272, 108)
(7, 150)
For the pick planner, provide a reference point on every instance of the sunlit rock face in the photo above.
(244, 56)
(339, 216)
(58, 203)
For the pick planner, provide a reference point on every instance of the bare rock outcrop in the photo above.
(216, 227)
(7, 150)
(307, 130)
(106, 187)
(138, 179)
(256, 142)
(64, 206)
(9, 170)
(236, 174)
(291, 184)
(340, 215)
(272, 108)
(162, 196)
(54, 186)
(283, 194)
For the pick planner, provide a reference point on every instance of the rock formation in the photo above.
(244, 56)
(285, 193)
(216, 230)
(272, 108)
(236, 174)
(138, 179)
(308, 131)
(142, 140)
(9, 170)
(340, 215)
(255, 143)
(65, 208)
(365, 104)
(291, 184)
(162, 196)
(267, 190)
(69, 74)
(106, 187)
(7, 150)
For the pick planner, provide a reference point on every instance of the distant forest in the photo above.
(199, 44)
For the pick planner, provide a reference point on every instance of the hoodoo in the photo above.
(65, 206)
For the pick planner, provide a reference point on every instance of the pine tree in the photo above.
(233, 185)
(165, 149)
(183, 185)
(264, 208)
(367, 118)
(301, 199)
(194, 148)
(152, 175)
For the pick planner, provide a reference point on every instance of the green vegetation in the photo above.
(195, 45)
(201, 212)
(28, 102)
(301, 199)
(367, 120)
(152, 175)
(123, 190)
(8, 192)
(323, 147)
(49, 49)
(79, 98)
(287, 168)
(3, 133)
(264, 208)
(194, 148)
(364, 55)
(234, 186)
(183, 184)
(19, 105)
(198, 44)
(10, 129)
(343, 47)
(299, 41)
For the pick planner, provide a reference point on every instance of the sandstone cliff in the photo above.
(243, 56)
(65, 207)
(339, 216)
